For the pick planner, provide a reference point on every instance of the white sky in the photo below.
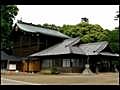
(69, 14)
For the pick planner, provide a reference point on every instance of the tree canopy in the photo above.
(114, 40)
(87, 32)
(8, 13)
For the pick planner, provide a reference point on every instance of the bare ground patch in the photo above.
(72, 78)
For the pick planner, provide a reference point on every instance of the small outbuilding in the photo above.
(10, 62)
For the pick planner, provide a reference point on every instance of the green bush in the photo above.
(54, 70)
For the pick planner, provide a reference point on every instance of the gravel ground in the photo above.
(69, 79)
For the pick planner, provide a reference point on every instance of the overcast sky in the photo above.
(69, 14)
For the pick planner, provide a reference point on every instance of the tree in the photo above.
(87, 32)
(51, 26)
(114, 36)
(114, 40)
(8, 13)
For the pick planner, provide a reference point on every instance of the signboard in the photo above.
(12, 66)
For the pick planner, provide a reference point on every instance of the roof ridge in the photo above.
(93, 42)
(34, 25)
(77, 38)
(29, 28)
(30, 24)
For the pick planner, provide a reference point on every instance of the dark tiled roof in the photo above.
(35, 29)
(4, 56)
(76, 50)
(61, 48)
(93, 48)
(66, 47)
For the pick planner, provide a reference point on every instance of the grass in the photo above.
(72, 78)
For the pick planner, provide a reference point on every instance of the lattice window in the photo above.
(66, 62)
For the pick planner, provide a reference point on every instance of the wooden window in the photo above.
(34, 41)
(66, 62)
(57, 62)
(75, 62)
(47, 63)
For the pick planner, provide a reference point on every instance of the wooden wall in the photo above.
(31, 66)
(26, 43)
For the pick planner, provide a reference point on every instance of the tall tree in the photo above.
(87, 32)
(8, 13)
(114, 40)
(114, 36)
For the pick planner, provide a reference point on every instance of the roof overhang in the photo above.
(35, 29)
(109, 54)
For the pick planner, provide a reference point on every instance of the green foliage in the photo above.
(50, 26)
(87, 32)
(114, 40)
(54, 70)
(8, 13)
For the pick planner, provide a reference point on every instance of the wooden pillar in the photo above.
(49, 62)
(71, 62)
(46, 43)
(21, 40)
(82, 62)
(30, 41)
(110, 65)
(54, 62)
(28, 66)
(97, 69)
(38, 42)
(8, 62)
(71, 66)
(23, 66)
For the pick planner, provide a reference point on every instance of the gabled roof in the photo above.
(58, 49)
(67, 47)
(36, 29)
(5, 56)
(93, 48)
